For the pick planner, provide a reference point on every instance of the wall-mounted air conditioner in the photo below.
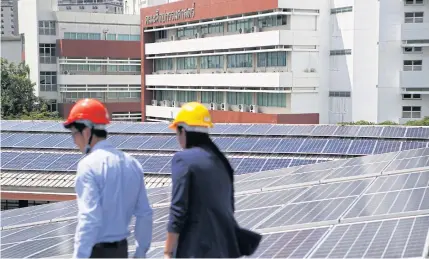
(255, 29)
(197, 35)
(154, 103)
(240, 30)
(213, 106)
(175, 103)
(224, 107)
(173, 37)
(166, 103)
(242, 108)
(253, 108)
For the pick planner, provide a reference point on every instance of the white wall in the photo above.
(11, 49)
(99, 79)
(247, 40)
(28, 25)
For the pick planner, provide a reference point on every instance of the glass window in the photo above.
(163, 64)
(240, 60)
(272, 21)
(47, 28)
(236, 98)
(245, 25)
(271, 99)
(186, 63)
(111, 36)
(211, 62)
(125, 37)
(212, 97)
(411, 112)
(272, 59)
(48, 81)
(413, 65)
(47, 53)
(186, 32)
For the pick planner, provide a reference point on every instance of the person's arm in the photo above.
(179, 202)
(90, 212)
(143, 228)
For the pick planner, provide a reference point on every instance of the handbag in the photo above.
(248, 241)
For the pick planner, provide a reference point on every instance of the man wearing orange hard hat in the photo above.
(110, 189)
(201, 222)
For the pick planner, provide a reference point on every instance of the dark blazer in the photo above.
(202, 206)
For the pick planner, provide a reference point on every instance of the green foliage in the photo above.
(18, 100)
(423, 122)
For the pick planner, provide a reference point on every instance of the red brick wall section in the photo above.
(98, 49)
(205, 9)
(247, 117)
(64, 108)
(37, 196)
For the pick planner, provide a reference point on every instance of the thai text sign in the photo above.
(171, 16)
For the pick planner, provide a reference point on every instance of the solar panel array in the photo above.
(240, 129)
(285, 145)
(367, 207)
(156, 164)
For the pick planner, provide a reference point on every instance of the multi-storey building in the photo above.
(345, 60)
(92, 6)
(9, 17)
(249, 61)
(74, 55)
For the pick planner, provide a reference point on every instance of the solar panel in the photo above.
(407, 145)
(358, 170)
(362, 147)
(268, 199)
(395, 238)
(242, 144)
(291, 244)
(280, 130)
(289, 145)
(236, 129)
(337, 146)
(408, 163)
(369, 131)
(393, 132)
(301, 130)
(265, 145)
(386, 146)
(313, 146)
(258, 129)
(324, 130)
(418, 132)
(413, 153)
(346, 131)
(274, 163)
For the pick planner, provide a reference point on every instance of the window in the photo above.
(240, 60)
(47, 28)
(111, 36)
(272, 59)
(342, 9)
(186, 32)
(186, 63)
(245, 25)
(128, 37)
(413, 65)
(208, 62)
(416, 17)
(186, 96)
(239, 98)
(48, 81)
(411, 112)
(271, 99)
(341, 52)
(272, 21)
(413, 2)
(47, 53)
(212, 97)
(82, 36)
(212, 28)
(68, 7)
(160, 35)
(164, 64)
(339, 94)
(411, 97)
(413, 49)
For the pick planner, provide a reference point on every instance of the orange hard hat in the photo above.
(90, 112)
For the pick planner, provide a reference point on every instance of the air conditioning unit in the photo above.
(242, 108)
(154, 103)
(253, 108)
(173, 37)
(166, 103)
(197, 35)
(213, 106)
(224, 107)
(175, 103)
(255, 29)
(240, 30)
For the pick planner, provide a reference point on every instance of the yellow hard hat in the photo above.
(194, 115)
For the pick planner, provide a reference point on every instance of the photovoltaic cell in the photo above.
(393, 132)
(369, 159)
(289, 145)
(242, 144)
(273, 164)
(399, 182)
(250, 165)
(255, 184)
(324, 130)
(409, 163)
(337, 146)
(396, 238)
(309, 212)
(407, 145)
(29, 248)
(387, 146)
(362, 147)
(266, 199)
(258, 129)
(265, 145)
(346, 131)
(351, 171)
(369, 131)
(312, 146)
(418, 132)
(413, 153)
(280, 130)
(236, 129)
(224, 143)
(249, 218)
(291, 244)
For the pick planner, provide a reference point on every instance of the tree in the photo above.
(18, 100)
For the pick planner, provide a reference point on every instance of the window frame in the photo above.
(411, 112)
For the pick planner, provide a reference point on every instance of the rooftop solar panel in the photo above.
(421, 132)
(324, 130)
(369, 131)
(258, 129)
(393, 132)
(299, 214)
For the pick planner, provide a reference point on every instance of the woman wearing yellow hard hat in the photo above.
(201, 221)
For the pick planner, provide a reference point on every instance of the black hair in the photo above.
(98, 133)
(202, 140)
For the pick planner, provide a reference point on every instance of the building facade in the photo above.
(344, 60)
(74, 55)
(9, 18)
(92, 6)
